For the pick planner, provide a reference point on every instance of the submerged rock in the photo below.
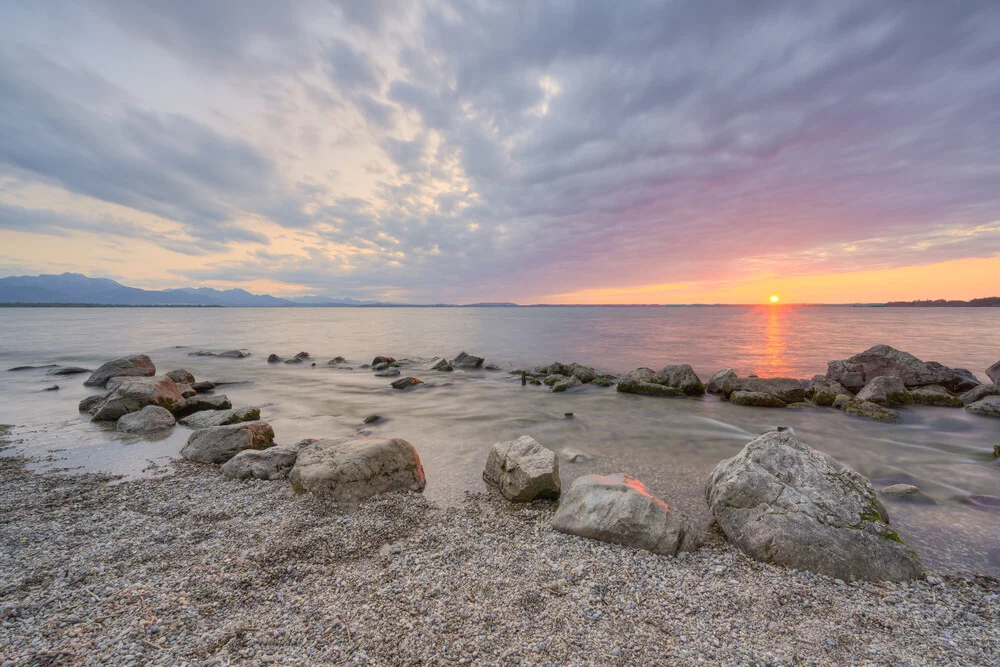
(354, 468)
(782, 502)
(987, 407)
(885, 390)
(465, 361)
(197, 403)
(868, 410)
(437, 364)
(906, 492)
(136, 365)
(218, 444)
(387, 373)
(135, 393)
(274, 359)
(618, 508)
(151, 419)
(405, 383)
(935, 394)
(574, 455)
(209, 418)
(979, 393)
(336, 361)
(523, 470)
(68, 370)
(181, 376)
(233, 354)
(756, 399)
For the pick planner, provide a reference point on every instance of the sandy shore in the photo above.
(194, 569)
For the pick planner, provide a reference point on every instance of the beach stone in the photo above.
(884, 360)
(90, 403)
(868, 410)
(935, 394)
(569, 383)
(584, 374)
(136, 365)
(218, 444)
(198, 403)
(757, 399)
(787, 390)
(465, 361)
(979, 393)
(208, 418)
(681, 376)
(405, 383)
(987, 407)
(135, 393)
(523, 470)
(203, 386)
(618, 508)
(782, 502)
(823, 391)
(885, 390)
(68, 370)
(574, 455)
(272, 463)
(437, 364)
(956, 380)
(151, 419)
(274, 359)
(993, 373)
(643, 381)
(181, 376)
(723, 382)
(354, 468)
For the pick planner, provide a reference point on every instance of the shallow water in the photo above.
(671, 444)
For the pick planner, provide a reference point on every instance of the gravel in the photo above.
(195, 569)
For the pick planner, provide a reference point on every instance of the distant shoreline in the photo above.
(995, 302)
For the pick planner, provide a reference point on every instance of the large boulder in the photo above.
(935, 394)
(135, 393)
(993, 373)
(218, 444)
(643, 381)
(957, 380)
(618, 508)
(208, 418)
(724, 382)
(885, 390)
(782, 502)
(823, 391)
(350, 469)
(136, 365)
(987, 407)
(269, 464)
(523, 470)
(151, 419)
(467, 361)
(883, 360)
(681, 376)
(200, 402)
(979, 393)
(181, 376)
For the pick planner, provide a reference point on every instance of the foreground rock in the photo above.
(957, 380)
(270, 464)
(349, 470)
(209, 418)
(979, 393)
(782, 502)
(465, 361)
(987, 407)
(618, 508)
(724, 382)
(135, 393)
(523, 470)
(935, 394)
(198, 403)
(203, 386)
(218, 444)
(885, 390)
(151, 419)
(884, 360)
(136, 365)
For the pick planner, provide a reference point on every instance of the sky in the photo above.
(532, 151)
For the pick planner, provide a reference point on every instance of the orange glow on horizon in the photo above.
(774, 298)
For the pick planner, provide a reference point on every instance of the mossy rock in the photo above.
(756, 399)
(647, 388)
(870, 410)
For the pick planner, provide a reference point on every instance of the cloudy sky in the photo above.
(531, 151)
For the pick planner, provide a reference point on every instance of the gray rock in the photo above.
(756, 399)
(787, 390)
(53, 387)
(823, 391)
(209, 418)
(618, 508)
(68, 370)
(135, 393)
(681, 376)
(136, 365)
(380, 366)
(437, 364)
(523, 470)
(269, 464)
(186, 390)
(987, 407)
(274, 359)
(90, 403)
(574, 455)
(181, 376)
(197, 403)
(569, 383)
(868, 410)
(233, 354)
(381, 360)
(885, 390)
(465, 361)
(584, 374)
(387, 373)
(957, 380)
(643, 381)
(883, 360)
(294, 360)
(203, 386)
(993, 373)
(781, 502)
(906, 492)
(979, 393)
(935, 394)
(350, 469)
(336, 361)
(405, 383)
(218, 444)
(724, 382)
(151, 419)
(555, 368)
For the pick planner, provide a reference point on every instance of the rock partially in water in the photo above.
(405, 383)
(151, 419)
(233, 354)
(906, 492)
(465, 361)
(823, 391)
(209, 418)
(868, 410)
(294, 360)
(187, 391)
(68, 370)
(381, 360)
(979, 393)
(956, 380)
(723, 382)
(987, 407)
(887, 361)
(90, 403)
(336, 361)
(786, 390)
(16, 369)
(681, 376)
(569, 383)
(349, 470)
(782, 502)
(135, 393)
(756, 399)
(585, 374)
(53, 387)
(993, 373)
(272, 463)
(437, 364)
(218, 444)
(618, 508)
(387, 373)
(643, 381)
(181, 376)
(574, 455)
(935, 394)
(885, 390)
(523, 470)
(203, 386)
(274, 359)
(197, 403)
(136, 365)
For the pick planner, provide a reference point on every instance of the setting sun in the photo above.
(774, 298)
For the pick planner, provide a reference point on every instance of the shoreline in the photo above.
(192, 568)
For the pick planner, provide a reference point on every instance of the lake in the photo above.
(671, 444)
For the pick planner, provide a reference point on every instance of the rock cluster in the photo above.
(674, 380)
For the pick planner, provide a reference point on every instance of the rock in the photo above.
(724, 382)
(551, 380)
(957, 380)
(603, 380)
(382, 360)
(569, 383)
(90, 403)
(681, 376)
(198, 403)
(935, 394)
(883, 360)
(151, 419)
(868, 410)
(233, 354)
(437, 364)
(53, 387)
(618, 508)
(980, 392)
(181, 376)
(30, 368)
(584, 374)
(823, 391)
(135, 393)
(523, 470)
(387, 373)
(996, 451)
(885, 390)
(302, 355)
(268, 464)
(993, 373)
(218, 444)
(987, 407)
(575, 455)
(842, 400)
(209, 418)
(492, 367)
(335, 361)
(787, 390)
(906, 492)
(203, 386)
(68, 370)
(294, 360)
(781, 502)
(136, 365)
(274, 359)
(186, 390)
(643, 381)
(405, 383)
(371, 419)
(350, 469)
(555, 368)
(466, 361)
(381, 366)
(757, 399)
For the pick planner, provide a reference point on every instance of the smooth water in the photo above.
(671, 444)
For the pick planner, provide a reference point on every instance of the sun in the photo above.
(774, 298)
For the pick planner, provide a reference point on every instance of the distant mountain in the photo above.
(317, 300)
(990, 301)
(232, 297)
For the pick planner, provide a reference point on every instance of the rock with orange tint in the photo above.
(353, 468)
(618, 508)
(523, 470)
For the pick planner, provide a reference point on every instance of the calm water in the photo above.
(672, 444)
